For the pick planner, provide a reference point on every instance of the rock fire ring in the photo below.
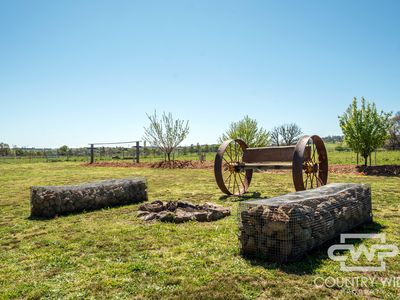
(182, 211)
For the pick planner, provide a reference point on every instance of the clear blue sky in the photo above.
(74, 72)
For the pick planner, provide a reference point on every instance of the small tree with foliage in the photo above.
(247, 129)
(18, 151)
(166, 133)
(4, 149)
(394, 132)
(191, 149)
(364, 129)
(63, 150)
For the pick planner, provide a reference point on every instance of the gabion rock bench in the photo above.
(50, 201)
(284, 228)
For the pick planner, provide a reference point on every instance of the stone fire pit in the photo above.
(182, 211)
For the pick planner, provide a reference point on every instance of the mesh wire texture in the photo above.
(284, 228)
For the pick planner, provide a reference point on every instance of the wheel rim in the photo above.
(310, 163)
(230, 176)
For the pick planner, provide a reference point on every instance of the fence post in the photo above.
(137, 152)
(91, 153)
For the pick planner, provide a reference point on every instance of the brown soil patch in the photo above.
(344, 169)
(183, 164)
(386, 170)
(177, 164)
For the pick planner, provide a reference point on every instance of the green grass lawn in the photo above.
(112, 254)
(383, 157)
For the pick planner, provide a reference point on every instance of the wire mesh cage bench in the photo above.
(235, 162)
(284, 228)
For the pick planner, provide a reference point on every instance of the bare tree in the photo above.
(166, 133)
(289, 133)
(275, 136)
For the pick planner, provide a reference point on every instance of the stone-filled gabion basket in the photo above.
(50, 201)
(284, 228)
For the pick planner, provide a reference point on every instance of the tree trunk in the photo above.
(365, 160)
(169, 156)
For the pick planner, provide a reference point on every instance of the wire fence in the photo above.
(133, 151)
(126, 152)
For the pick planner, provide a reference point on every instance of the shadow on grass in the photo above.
(247, 196)
(79, 212)
(313, 259)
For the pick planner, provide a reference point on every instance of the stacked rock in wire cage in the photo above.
(284, 228)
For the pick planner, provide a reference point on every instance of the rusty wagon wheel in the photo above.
(310, 163)
(229, 173)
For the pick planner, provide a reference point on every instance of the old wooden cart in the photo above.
(235, 162)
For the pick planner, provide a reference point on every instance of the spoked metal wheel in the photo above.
(229, 172)
(310, 163)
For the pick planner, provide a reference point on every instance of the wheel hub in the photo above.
(309, 167)
(234, 167)
(231, 167)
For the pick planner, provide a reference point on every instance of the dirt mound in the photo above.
(335, 169)
(177, 164)
(117, 164)
(343, 169)
(385, 170)
(182, 164)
